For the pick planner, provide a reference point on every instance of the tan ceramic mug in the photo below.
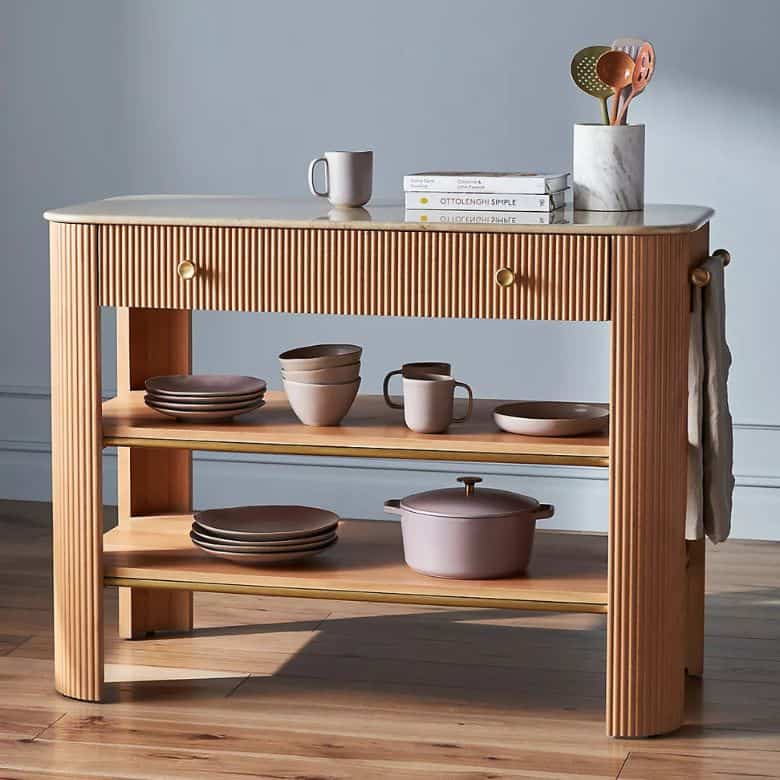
(414, 369)
(429, 401)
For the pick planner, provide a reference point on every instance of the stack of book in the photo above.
(488, 198)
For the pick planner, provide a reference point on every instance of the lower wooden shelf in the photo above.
(568, 571)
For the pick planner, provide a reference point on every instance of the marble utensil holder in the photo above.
(609, 167)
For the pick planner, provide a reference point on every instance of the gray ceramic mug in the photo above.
(429, 401)
(348, 177)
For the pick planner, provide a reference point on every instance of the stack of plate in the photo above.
(204, 397)
(265, 534)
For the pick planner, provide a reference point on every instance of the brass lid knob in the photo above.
(469, 482)
(505, 277)
(186, 270)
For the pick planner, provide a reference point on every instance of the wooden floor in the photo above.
(285, 688)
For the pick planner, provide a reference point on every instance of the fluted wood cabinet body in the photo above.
(158, 259)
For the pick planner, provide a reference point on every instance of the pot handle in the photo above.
(544, 512)
(393, 506)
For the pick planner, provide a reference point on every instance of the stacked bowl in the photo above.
(265, 534)
(321, 381)
(204, 397)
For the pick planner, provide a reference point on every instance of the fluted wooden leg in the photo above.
(648, 459)
(694, 609)
(76, 463)
(152, 342)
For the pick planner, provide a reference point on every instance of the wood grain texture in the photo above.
(76, 462)
(151, 342)
(648, 463)
(482, 693)
(371, 429)
(366, 272)
(694, 606)
(567, 571)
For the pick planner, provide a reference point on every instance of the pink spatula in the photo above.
(640, 78)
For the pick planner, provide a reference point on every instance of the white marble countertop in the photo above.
(248, 211)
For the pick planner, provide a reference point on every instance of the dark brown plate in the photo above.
(205, 385)
(263, 523)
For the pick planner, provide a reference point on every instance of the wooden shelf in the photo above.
(371, 429)
(568, 571)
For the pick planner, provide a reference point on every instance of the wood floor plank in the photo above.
(26, 722)
(739, 766)
(305, 688)
(330, 744)
(137, 762)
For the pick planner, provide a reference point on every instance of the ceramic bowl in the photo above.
(551, 418)
(321, 404)
(324, 376)
(320, 356)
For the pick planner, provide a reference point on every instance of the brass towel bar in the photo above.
(701, 276)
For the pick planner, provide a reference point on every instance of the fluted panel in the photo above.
(76, 453)
(347, 271)
(648, 451)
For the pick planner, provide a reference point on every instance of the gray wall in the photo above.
(102, 98)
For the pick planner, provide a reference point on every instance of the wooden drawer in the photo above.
(346, 271)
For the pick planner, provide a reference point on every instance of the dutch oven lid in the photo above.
(456, 502)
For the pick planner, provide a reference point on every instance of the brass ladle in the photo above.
(615, 69)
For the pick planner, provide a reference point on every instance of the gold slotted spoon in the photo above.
(583, 73)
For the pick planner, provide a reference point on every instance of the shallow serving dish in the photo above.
(205, 385)
(267, 522)
(551, 418)
(203, 535)
(204, 415)
(198, 400)
(263, 547)
(212, 406)
(268, 558)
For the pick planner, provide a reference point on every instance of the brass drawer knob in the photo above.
(505, 277)
(186, 270)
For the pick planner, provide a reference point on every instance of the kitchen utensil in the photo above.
(265, 559)
(199, 415)
(631, 47)
(615, 68)
(468, 534)
(261, 548)
(640, 77)
(204, 536)
(324, 376)
(205, 385)
(583, 73)
(551, 418)
(415, 369)
(348, 177)
(266, 522)
(428, 402)
(315, 404)
(320, 356)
